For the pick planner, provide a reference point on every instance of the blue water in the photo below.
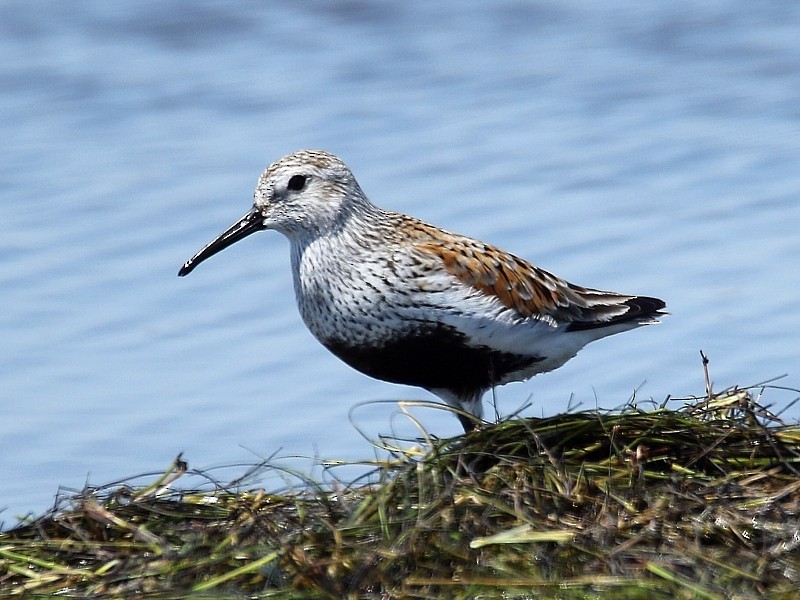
(642, 147)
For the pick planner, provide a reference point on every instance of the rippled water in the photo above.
(628, 146)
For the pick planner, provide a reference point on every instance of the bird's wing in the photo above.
(533, 292)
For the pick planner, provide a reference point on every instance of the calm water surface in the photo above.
(650, 149)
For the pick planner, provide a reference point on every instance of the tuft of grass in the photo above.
(702, 501)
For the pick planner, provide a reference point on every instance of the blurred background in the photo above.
(640, 147)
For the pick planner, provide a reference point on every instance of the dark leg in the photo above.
(467, 423)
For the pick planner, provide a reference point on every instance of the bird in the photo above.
(406, 302)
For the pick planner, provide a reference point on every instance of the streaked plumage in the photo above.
(407, 302)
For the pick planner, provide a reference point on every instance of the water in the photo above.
(642, 148)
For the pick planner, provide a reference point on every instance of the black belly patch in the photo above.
(432, 359)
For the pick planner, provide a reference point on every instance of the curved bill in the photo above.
(250, 223)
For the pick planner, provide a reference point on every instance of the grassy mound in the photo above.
(698, 502)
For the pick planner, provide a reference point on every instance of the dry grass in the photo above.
(698, 502)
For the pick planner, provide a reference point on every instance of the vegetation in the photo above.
(702, 501)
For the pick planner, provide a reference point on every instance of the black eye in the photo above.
(297, 182)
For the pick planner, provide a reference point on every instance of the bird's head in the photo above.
(305, 194)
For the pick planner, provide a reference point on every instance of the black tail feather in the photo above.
(640, 308)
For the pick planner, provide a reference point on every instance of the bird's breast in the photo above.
(347, 297)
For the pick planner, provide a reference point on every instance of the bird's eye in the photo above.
(297, 182)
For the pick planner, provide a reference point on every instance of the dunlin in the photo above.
(404, 301)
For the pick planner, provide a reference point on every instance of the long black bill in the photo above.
(250, 223)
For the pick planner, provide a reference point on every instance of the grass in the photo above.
(701, 501)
